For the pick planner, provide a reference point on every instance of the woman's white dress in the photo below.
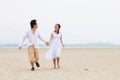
(55, 49)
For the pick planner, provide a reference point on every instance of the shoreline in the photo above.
(77, 47)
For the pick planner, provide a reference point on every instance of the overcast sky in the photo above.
(82, 21)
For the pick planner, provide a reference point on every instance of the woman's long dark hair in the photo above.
(59, 28)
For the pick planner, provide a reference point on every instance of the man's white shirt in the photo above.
(32, 39)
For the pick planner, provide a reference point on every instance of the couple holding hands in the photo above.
(55, 41)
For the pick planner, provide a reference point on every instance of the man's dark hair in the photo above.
(32, 23)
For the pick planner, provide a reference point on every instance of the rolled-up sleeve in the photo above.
(39, 36)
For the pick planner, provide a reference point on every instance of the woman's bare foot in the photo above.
(54, 68)
(58, 66)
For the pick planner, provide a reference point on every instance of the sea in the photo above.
(79, 45)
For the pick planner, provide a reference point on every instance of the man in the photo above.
(32, 36)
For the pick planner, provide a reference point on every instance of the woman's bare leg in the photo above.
(58, 61)
(54, 63)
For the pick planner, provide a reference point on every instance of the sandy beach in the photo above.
(76, 64)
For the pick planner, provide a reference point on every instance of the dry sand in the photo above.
(76, 64)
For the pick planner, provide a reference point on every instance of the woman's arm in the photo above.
(61, 41)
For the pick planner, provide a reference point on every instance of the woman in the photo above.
(56, 45)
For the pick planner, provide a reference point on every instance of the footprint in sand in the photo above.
(85, 69)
